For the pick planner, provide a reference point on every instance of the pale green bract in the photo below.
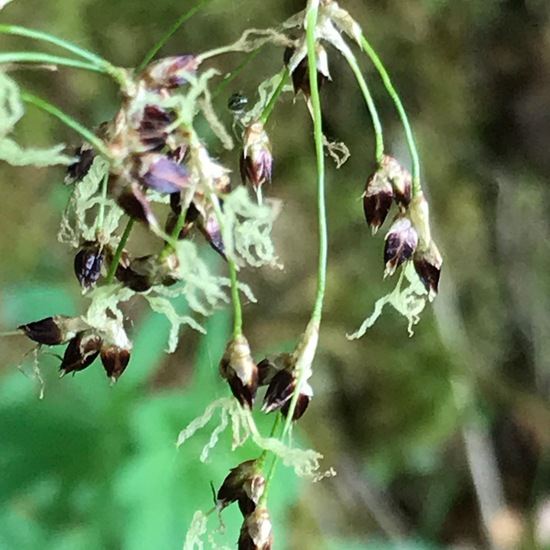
(11, 111)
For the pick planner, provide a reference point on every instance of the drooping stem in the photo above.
(44, 58)
(170, 32)
(274, 97)
(352, 62)
(118, 252)
(231, 76)
(88, 135)
(401, 111)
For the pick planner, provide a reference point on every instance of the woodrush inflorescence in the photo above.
(149, 161)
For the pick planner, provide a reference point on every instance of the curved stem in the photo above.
(352, 62)
(39, 57)
(88, 135)
(400, 109)
(274, 97)
(118, 252)
(168, 34)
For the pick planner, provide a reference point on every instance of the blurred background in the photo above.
(441, 440)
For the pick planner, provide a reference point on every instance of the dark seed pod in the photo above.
(244, 484)
(76, 171)
(136, 205)
(256, 531)
(169, 72)
(279, 395)
(153, 127)
(427, 263)
(300, 75)
(401, 242)
(210, 228)
(256, 160)
(81, 352)
(240, 371)
(52, 331)
(377, 200)
(87, 263)
(115, 360)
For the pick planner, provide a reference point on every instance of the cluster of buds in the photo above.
(409, 236)
(279, 374)
(85, 344)
(245, 485)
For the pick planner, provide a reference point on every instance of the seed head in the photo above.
(256, 531)
(76, 171)
(244, 484)
(153, 126)
(300, 75)
(279, 394)
(256, 160)
(53, 331)
(81, 352)
(159, 172)
(169, 72)
(427, 263)
(211, 229)
(240, 371)
(87, 263)
(401, 242)
(115, 359)
(399, 178)
(134, 202)
(377, 200)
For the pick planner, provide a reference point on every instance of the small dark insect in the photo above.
(237, 103)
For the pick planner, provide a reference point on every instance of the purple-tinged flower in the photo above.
(256, 531)
(377, 200)
(211, 230)
(87, 263)
(427, 263)
(401, 242)
(81, 352)
(153, 127)
(244, 484)
(115, 359)
(169, 72)
(240, 371)
(256, 160)
(400, 179)
(161, 173)
(53, 331)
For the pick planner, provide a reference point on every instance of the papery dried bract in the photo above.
(81, 352)
(240, 371)
(245, 484)
(399, 178)
(169, 72)
(401, 242)
(300, 75)
(377, 200)
(160, 173)
(427, 263)
(256, 159)
(256, 531)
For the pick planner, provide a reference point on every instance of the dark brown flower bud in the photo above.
(136, 205)
(244, 484)
(140, 274)
(159, 172)
(153, 127)
(115, 360)
(256, 161)
(400, 179)
(401, 242)
(279, 394)
(53, 331)
(300, 75)
(210, 228)
(240, 371)
(87, 263)
(81, 352)
(256, 531)
(269, 367)
(427, 263)
(76, 171)
(377, 200)
(169, 72)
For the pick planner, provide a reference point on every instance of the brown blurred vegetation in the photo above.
(443, 436)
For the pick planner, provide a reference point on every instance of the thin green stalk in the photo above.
(168, 34)
(230, 77)
(274, 97)
(352, 62)
(39, 57)
(118, 252)
(400, 109)
(46, 37)
(88, 136)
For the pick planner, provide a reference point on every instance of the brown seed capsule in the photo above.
(427, 263)
(136, 205)
(53, 331)
(115, 360)
(210, 228)
(279, 395)
(256, 531)
(401, 242)
(300, 75)
(244, 484)
(377, 200)
(169, 72)
(87, 263)
(153, 127)
(81, 352)
(76, 171)
(240, 371)
(256, 160)
(400, 179)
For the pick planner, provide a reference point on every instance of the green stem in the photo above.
(39, 57)
(169, 245)
(400, 109)
(230, 77)
(88, 136)
(118, 252)
(168, 34)
(352, 62)
(274, 97)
